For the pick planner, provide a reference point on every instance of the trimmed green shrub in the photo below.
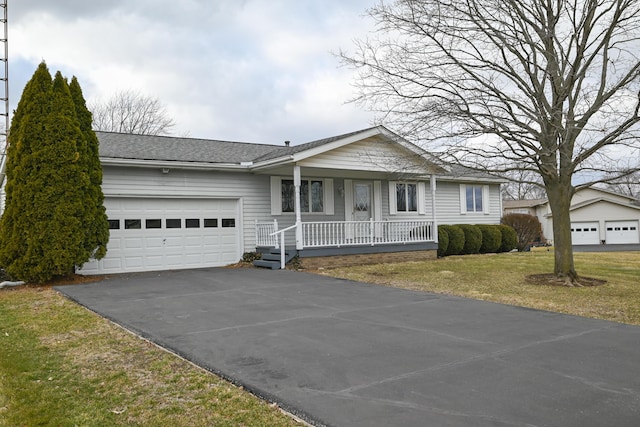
(472, 239)
(509, 238)
(443, 241)
(456, 239)
(491, 238)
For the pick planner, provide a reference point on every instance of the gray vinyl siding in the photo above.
(448, 205)
(251, 190)
(254, 192)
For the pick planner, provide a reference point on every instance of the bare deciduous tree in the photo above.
(551, 86)
(626, 184)
(523, 184)
(131, 112)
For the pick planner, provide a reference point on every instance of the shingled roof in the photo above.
(165, 148)
(130, 147)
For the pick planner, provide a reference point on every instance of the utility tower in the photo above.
(4, 95)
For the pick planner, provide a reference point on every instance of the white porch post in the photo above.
(296, 183)
(434, 222)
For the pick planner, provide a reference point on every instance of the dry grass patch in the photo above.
(63, 365)
(502, 278)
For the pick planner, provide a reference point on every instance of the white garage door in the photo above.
(585, 233)
(167, 234)
(622, 232)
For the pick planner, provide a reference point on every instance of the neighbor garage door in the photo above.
(166, 234)
(585, 233)
(622, 232)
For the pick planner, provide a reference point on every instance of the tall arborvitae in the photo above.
(43, 230)
(27, 126)
(97, 227)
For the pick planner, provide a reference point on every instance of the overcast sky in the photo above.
(240, 70)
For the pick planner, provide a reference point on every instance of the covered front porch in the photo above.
(362, 218)
(361, 194)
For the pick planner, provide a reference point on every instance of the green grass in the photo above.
(61, 365)
(501, 278)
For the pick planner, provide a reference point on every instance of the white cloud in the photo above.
(242, 70)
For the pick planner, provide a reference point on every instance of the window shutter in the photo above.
(276, 195)
(393, 204)
(422, 208)
(348, 199)
(485, 199)
(463, 199)
(328, 196)
(377, 200)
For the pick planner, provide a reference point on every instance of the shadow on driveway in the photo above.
(342, 353)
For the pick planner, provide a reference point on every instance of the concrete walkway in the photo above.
(342, 353)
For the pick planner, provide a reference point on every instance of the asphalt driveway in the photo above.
(341, 353)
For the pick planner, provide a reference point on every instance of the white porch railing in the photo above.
(351, 233)
(265, 234)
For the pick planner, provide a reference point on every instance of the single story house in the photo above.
(177, 203)
(597, 216)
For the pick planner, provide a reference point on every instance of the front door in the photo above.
(362, 209)
(362, 201)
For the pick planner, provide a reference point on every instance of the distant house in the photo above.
(185, 203)
(597, 216)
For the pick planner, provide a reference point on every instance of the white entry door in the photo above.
(362, 208)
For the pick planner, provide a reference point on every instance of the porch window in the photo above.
(406, 197)
(311, 196)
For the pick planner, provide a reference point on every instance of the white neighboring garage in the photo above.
(148, 234)
(597, 216)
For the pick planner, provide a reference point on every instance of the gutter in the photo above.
(169, 164)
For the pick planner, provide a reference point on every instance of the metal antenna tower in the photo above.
(4, 73)
(4, 96)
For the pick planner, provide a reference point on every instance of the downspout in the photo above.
(433, 208)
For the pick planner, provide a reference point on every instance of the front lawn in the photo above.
(501, 278)
(61, 365)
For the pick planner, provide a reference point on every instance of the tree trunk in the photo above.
(560, 202)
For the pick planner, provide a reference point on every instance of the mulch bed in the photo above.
(550, 279)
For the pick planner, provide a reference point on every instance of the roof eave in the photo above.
(471, 179)
(172, 164)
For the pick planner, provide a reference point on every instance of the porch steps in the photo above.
(271, 259)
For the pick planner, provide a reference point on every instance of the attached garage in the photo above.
(148, 234)
(621, 232)
(585, 233)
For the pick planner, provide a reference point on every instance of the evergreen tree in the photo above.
(44, 232)
(35, 102)
(97, 227)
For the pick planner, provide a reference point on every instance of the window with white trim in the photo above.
(474, 198)
(406, 197)
(311, 196)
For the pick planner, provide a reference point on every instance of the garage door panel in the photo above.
(133, 243)
(148, 243)
(132, 262)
